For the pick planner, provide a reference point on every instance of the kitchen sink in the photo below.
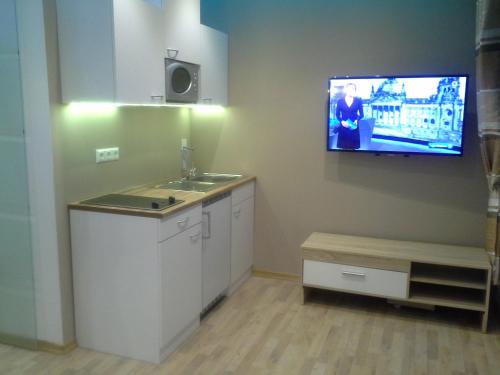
(188, 185)
(215, 177)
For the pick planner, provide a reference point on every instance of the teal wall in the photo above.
(17, 306)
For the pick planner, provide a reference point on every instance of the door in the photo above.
(214, 66)
(241, 238)
(139, 52)
(180, 258)
(17, 299)
(216, 249)
(182, 30)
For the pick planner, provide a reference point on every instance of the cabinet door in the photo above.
(216, 249)
(85, 31)
(181, 282)
(139, 52)
(214, 66)
(182, 29)
(242, 217)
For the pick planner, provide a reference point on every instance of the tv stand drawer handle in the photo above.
(350, 273)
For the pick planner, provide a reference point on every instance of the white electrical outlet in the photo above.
(107, 154)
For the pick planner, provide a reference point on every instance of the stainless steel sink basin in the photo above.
(201, 183)
(215, 177)
(188, 185)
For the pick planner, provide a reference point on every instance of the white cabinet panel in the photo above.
(370, 281)
(112, 51)
(182, 29)
(139, 53)
(180, 258)
(214, 66)
(116, 283)
(86, 50)
(242, 237)
(216, 249)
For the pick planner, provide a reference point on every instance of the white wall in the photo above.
(281, 55)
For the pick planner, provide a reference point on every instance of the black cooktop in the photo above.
(133, 201)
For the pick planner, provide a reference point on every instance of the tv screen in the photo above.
(407, 115)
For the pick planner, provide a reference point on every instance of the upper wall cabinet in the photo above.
(114, 50)
(111, 50)
(214, 66)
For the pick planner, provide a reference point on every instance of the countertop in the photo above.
(190, 198)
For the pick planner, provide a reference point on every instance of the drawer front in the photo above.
(363, 280)
(179, 222)
(242, 193)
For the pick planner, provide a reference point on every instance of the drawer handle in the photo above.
(183, 223)
(350, 273)
(195, 237)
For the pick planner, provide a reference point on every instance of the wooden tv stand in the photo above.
(420, 274)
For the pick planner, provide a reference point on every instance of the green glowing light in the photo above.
(103, 108)
(208, 109)
(91, 108)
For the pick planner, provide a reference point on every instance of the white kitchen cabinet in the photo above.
(216, 248)
(180, 258)
(242, 234)
(137, 293)
(214, 66)
(139, 52)
(111, 50)
(114, 50)
(182, 30)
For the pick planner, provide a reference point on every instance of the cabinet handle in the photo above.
(237, 212)
(350, 273)
(157, 98)
(207, 100)
(172, 53)
(183, 223)
(195, 237)
(207, 229)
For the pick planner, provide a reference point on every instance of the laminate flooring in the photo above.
(264, 329)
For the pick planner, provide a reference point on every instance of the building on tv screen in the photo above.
(418, 114)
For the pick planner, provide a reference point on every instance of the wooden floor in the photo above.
(264, 329)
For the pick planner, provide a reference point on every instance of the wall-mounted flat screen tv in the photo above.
(403, 114)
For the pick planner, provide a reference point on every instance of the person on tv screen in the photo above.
(349, 112)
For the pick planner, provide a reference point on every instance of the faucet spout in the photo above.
(186, 159)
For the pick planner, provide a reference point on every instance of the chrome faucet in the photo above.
(186, 158)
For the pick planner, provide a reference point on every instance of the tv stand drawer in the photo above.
(361, 280)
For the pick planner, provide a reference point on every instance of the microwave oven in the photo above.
(182, 81)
